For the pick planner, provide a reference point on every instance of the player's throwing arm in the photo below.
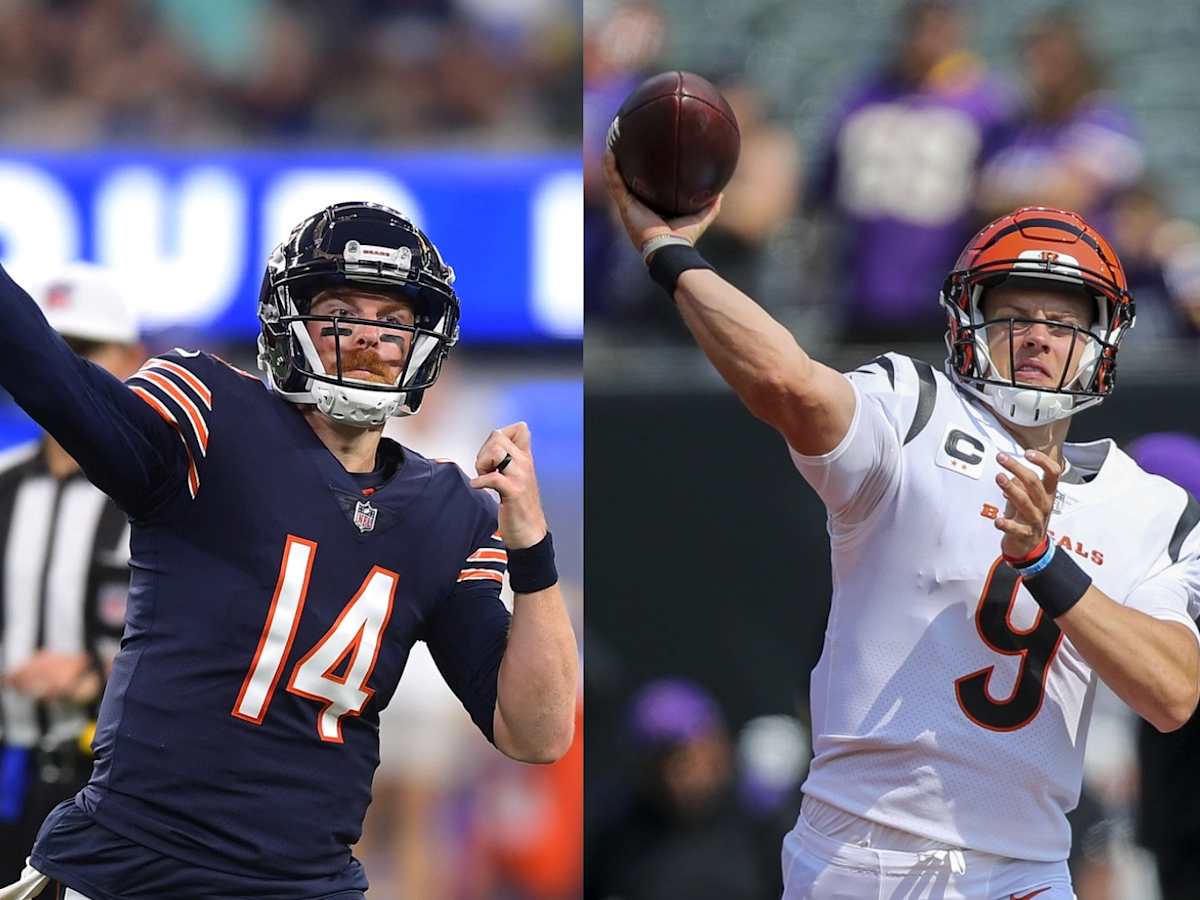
(810, 404)
(535, 692)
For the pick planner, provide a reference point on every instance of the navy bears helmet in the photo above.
(378, 249)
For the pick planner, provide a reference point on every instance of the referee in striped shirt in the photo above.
(64, 579)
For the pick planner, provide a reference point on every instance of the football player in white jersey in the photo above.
(985, 572)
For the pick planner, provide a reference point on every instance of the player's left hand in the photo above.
(50, 675)
(522, 522)
(1029, 500)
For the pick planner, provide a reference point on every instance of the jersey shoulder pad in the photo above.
(906, 388)
(178, 385)
(1185, 536)
(456, 483)
(242, 372)
(1176, 503)
(196, 374)
(484, 558)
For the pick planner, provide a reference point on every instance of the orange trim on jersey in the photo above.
(172, 390)
(497, 536)
(481, 575)
(488, 554)
(193, 382)
(356, 642)
(266, 632)
(155, 404)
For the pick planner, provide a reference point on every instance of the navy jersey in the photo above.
(272, 606)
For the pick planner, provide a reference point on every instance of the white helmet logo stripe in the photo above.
(1048, 263)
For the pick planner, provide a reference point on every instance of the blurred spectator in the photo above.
(680, 833)
(1161, 255)
(621, 39)
(411, 846)
(528, 833)
(772, 753)
(1076, 145)
(1168, 814)
(762, 195)
(1093, 867)
(80, 72)
(897, 173)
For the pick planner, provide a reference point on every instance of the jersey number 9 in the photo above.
(1035, 645)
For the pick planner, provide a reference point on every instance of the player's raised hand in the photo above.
(505, 464)
(1029, 501)
(642, 223)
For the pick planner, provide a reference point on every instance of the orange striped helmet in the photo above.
(1041, 243)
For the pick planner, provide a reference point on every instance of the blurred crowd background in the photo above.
(877, 137)
(363, 91)
(479, 73)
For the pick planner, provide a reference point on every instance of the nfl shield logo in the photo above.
(364, 515)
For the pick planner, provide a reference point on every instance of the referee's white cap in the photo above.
(82, 301)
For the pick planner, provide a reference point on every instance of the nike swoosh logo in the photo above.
(1031, 894)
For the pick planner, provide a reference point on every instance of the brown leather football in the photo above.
(676, 142)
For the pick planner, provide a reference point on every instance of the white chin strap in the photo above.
(351, 406)
(347, 405)
(1026, 407)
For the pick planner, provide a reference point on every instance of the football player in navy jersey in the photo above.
(284, 560)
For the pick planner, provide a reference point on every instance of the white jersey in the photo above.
(944, 703)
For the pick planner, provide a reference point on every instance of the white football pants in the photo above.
(816, 867)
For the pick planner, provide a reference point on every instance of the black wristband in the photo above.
(531, 569)
(1059, 586)
(671, 261)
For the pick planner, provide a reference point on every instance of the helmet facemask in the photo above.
(1026, 403)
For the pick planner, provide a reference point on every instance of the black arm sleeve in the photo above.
(121, 443)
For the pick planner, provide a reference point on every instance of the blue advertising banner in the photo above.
(188, 233)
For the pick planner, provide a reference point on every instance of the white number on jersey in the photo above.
(351, 643)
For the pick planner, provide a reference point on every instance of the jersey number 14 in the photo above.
(352, 642)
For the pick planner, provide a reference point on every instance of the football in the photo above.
(676, 142)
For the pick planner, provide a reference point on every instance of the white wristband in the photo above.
(663, 240)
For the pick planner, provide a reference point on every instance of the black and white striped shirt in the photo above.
(64, 581)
